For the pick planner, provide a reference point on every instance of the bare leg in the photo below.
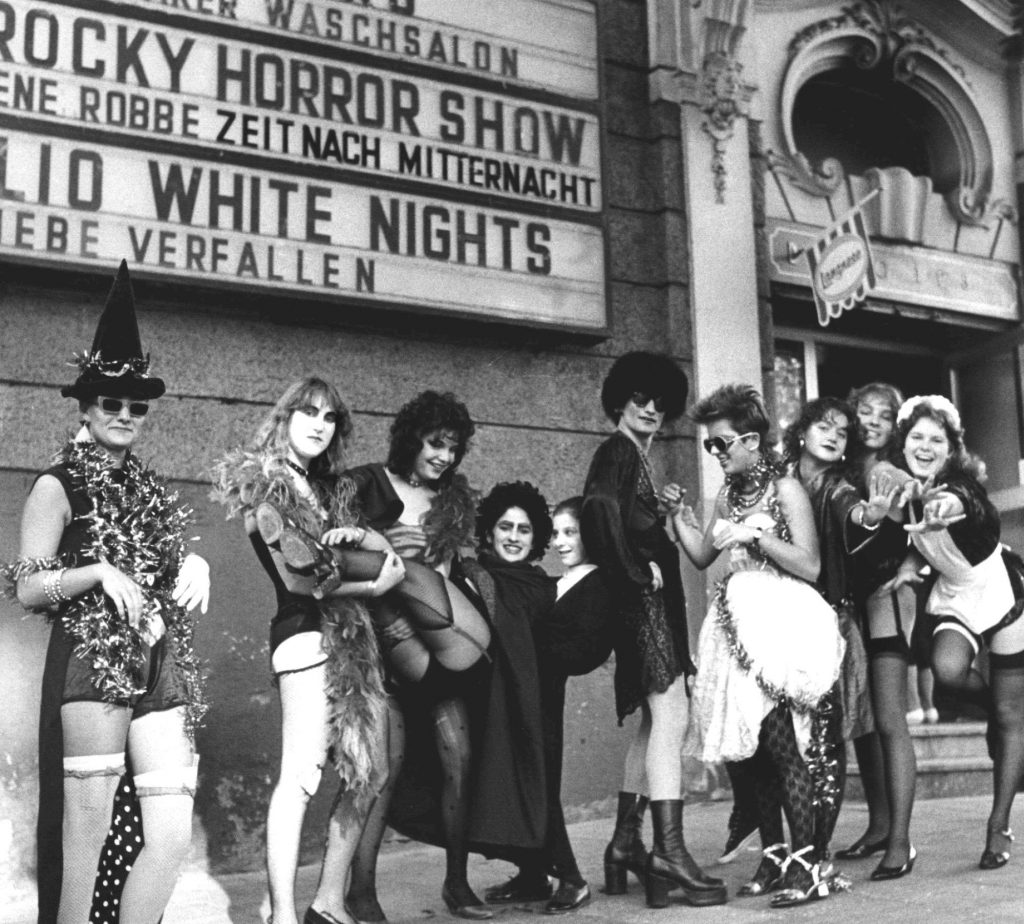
(669, 713)
(304, 712)
(90, 730)
(158, 746)
(634, 777)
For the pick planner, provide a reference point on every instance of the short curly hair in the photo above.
(960, 459)
(740, 404)
(428, 412)
(811, 413)
(504, 496)
(652, 374)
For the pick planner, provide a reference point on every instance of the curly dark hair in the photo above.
(502, 497)
(427, 413)
(812, 412)
(740, 404)
(652, 374)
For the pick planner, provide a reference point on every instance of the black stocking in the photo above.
(362, 890)
(451, 731)
(1008, 718)
(889, 695)
(871, 764)
(797, 789)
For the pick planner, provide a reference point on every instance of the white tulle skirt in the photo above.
(774, 636)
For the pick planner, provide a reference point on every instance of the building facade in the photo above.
(403, 194)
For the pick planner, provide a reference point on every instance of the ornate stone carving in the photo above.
(694, 59)
(720, 96)
(873, 34)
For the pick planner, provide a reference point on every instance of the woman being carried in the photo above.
(103, 553)
(622, 529)
(757, 694)
(435, 641)
(289, 484)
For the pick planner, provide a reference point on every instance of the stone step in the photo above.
(952, 760)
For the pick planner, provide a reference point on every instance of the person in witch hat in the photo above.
(103, 555)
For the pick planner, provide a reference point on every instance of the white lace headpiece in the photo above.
(939, 403)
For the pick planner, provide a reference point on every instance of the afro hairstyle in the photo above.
(653, 374)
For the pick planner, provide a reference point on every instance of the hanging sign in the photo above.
(842, 269)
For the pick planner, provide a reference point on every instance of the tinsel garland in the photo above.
(821, 757)
(724, 618)
(137, 525)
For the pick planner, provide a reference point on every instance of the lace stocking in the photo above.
(779, 742)
(451, 733)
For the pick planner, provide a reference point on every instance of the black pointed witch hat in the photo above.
(116, 365)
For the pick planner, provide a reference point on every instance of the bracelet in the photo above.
(53, 589)
(372, 589)
(863, 507)
(758, 535)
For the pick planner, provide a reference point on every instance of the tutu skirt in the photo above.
(768, 638)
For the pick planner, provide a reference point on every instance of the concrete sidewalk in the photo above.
(945, 886)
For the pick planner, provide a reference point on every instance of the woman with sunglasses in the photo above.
(622, 529)
(758, 695)
(978, 596)
(289, 486)
(103, 554)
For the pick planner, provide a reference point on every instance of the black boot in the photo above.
(670, 864)
(625, 852)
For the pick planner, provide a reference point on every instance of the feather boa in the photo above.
(137, 525)
(451, 519)
(243, 479)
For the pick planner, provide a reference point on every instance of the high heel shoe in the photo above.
(463, 903)
(669, 864)
(365, 907)
(862, 848)
(769, 871)
(312, 916)
(992, 859)
(625, 852)
(882, 872)
(816, 890)
(303, 553)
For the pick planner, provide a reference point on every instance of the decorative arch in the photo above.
(870, 35)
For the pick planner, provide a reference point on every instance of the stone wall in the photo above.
(534, 396)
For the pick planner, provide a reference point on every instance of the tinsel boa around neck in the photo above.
(138, 525)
